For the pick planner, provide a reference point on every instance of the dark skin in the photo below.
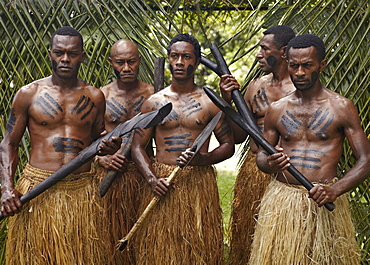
(192, 110)
(264, 90)
(311, 125)
(124, 96)
(63, 115)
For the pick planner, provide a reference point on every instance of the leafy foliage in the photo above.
(26, 27)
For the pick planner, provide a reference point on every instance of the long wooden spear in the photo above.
(197, 144)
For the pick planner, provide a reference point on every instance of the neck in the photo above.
(183, 86)
(63, 82)
(281, 73)
(128, 86)
(313, 93)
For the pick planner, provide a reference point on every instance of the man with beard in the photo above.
(63, 114)
(309, 126)
(187, 225)
(124, 98)
(251, 183)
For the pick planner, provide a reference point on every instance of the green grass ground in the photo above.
(225, 181)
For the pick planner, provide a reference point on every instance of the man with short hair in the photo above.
(63, 114)
(308, 128)
(186, 227)
(251, 183)
(124, 98)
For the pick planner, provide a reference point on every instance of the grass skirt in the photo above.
(249, 188)
(60, 226)
(121, 204)
(292, 229)
(185, 227)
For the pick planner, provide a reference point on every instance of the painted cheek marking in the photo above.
(190, 70)
(271, 60)
(54, 65)
(118, 74)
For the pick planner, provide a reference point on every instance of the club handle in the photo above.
(112, 174)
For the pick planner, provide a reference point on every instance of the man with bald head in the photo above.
(124, 98)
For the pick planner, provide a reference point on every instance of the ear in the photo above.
(110, 60)
(83, 56)
(197, 62)
(323, 65)
(283, 52)
(49, 54)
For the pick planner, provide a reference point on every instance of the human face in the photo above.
(125, 61)
(183, 61)
(268, 55)
(66, 56)
(304, 67)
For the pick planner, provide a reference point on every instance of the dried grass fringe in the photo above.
(60, 226)
(249, 188)
(121, 205)
(292, 229)
(186, 226)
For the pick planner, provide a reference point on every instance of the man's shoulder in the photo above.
(34, 86)
(90, 90)
(109, 86)
(84, 84)
(145, 90)
(284, 101)
(262, 79)
(337, 100)
(257, 83)
(146, 86)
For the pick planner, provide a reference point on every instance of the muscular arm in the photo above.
(109, 147)
(139, 155)
(361, 149)
(15, 128)
(276, 162)
(225, 150)
(99, 123)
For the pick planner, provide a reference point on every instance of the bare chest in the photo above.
(120, 109)
(262, 98)
(54, 110)
(189, 115)
(300, 124)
